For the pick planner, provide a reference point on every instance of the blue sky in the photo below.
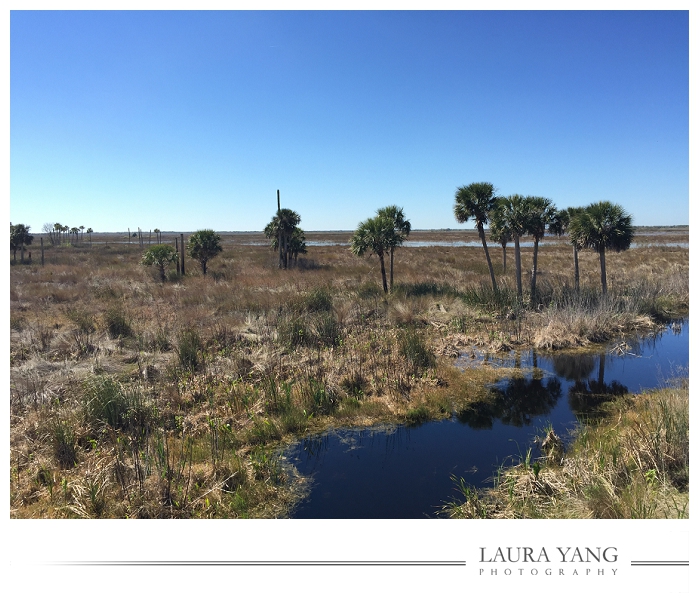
(188, 120)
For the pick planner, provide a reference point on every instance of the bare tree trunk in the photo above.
(383, 273)
(577, 268)
(518, 268)
(603, 269)
(504, 259)
(42, 251)
(391, 282)
(534, 266)
(481, 233)
(182, 246)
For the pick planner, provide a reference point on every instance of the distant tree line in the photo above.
(602, 226)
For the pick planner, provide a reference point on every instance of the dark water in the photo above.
(405, 472)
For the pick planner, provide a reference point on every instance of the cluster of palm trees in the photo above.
(380, 235)
(203, 246)
(287, 238)
(59, 233)
(19, 239)
(600, 226)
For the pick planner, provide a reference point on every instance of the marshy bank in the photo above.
(135, 398)
(410, 471)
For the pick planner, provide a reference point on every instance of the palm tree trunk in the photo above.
(391, 281)
(577, 268)
(383, 273)
(279, 247)
(518, 268)
(533, 281)
(603, 269)
(481, 233)
(504, 259)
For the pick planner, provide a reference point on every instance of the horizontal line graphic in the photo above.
(262, 563)
(660, 563)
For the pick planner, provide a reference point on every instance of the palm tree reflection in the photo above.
(514, 402)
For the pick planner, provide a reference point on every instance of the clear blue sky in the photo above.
(188, 120)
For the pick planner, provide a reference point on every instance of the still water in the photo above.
(405, 472)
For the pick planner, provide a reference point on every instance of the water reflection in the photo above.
(405, 472)
(514, 402)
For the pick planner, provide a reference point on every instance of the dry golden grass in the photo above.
(232, 365)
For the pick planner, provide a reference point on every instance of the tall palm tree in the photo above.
(603, 226)
(515, 215)
(401, 230)
(476, 201)
(560, 225)
(374, 235)
(500, 231)
(541, 211)
(89, 234)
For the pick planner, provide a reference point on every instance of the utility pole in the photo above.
(279, 229)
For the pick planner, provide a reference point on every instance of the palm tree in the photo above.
(560, 225)
(160, 256)
(157, 235)
(375, 235)
(19, 238)
(297, 244)
(515, 214)
(89, 234)
(281, 228)
(603, 226)
(82, 235)
(541, 211)
(74, 231)
(500, 231)
(203, 246)
(476, 201)
(401, 231)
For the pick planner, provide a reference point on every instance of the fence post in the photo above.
(177, 249)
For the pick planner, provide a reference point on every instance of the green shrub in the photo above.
(318, 300)
(326, 330)
(416, 416)
(116, 322)
(64, 444)
(293, 332)
(123, 408)
(190, 350)
(413, 348)
(318, 398)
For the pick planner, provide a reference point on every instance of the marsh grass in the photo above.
(142, 399)
(633, 462)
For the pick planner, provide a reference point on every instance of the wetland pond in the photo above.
(406, 471)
